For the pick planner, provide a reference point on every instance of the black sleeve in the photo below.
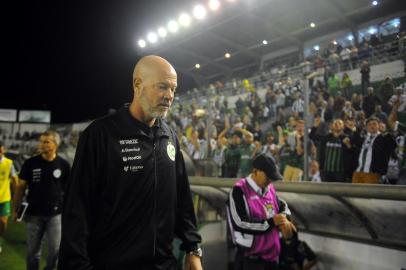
(25, 172)
(240, 218)
(78, 216)
(185, 228)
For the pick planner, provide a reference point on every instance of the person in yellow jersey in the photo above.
(8, 178)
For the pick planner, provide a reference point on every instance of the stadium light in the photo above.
(350, 37)
(265, 42)
(312, 25)
(152, 37)
(162, 32)
(199, 12)
(227, 55)
(372, 31)
(316, 47)
(197, 66)
(374, 3)
(184, 19)
(142, 43)
(173, 26)
(334, 42)
(214, 4)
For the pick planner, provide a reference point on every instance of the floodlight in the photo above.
(184, 19)
(312, 25)
(197, 66)
(396, 22)
(265, 42)
(227, 55)
(372, 31)
(214, 4)
(316, 47)
(374, 3)
(199, 12)
(350, 37)
(142, 43)
(152, 37)
(334, 42)
(162, 32)
(173, 26)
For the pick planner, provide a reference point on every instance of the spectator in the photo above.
(334, 149)
(293, 170)
(345, 55)
(333, 84)
(375, 151)
(382, 116)
(314, 172)
(369, 102)
(247, 150)
(348, 110)
(346, 86)
(365, 71)
(386, 91)
(232, 155)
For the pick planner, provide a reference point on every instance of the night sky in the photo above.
(76, 58)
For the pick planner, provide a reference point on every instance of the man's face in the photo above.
(350, 124)
(373, 127)
(337, 126)
(236, 139)
(47, 144)
(157, 93)
(314, 167)
(300, 128)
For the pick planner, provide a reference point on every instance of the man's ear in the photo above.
(137, 82)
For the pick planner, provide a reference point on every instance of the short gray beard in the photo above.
(149, 110)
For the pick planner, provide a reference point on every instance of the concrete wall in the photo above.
(335, 254)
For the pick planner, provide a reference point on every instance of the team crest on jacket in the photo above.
(57, 173)
(170, 149)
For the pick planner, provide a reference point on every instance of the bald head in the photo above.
(151, 64)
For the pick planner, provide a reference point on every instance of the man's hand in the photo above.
(279, 219)
(287, 229)
(193, 262)
(347, 142)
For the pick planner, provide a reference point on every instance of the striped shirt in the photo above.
(333, 156)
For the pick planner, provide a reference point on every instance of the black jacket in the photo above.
(382, 149)
(127, 198)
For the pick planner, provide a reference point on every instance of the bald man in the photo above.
(129, 194)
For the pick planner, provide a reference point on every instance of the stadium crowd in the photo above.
(344, 121)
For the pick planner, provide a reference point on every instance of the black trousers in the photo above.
(242, 262)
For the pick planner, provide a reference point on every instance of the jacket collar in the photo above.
(160, 127)
(255, 187)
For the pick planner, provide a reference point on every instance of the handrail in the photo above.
(383, 192)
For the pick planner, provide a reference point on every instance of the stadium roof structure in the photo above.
(239, 28)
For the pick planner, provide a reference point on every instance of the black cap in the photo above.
(267, 164)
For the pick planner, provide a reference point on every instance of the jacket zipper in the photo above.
(154, 204)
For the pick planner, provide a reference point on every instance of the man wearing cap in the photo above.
(8, 178)
(255, 216)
